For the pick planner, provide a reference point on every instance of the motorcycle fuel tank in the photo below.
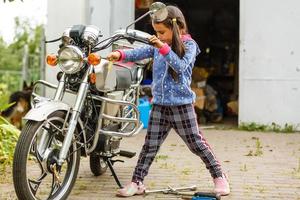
(105, 76)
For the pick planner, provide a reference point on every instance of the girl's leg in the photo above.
(157, 132)
(184, 122)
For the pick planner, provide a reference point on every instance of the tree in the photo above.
(11, 55)
(8, 60)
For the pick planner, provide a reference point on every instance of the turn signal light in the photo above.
(94, 59)
(92, 78)
(52, 60)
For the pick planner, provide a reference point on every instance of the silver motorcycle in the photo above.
(56, 134)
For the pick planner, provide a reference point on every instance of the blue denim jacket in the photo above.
(165, 90)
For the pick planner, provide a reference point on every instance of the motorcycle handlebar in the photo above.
(130, 37)
(134, 36)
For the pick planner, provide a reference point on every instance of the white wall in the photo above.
(269, 61)
(61, 15)
(108, 15)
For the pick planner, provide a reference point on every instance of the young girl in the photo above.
(174, 53)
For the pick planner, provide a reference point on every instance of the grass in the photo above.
(8, 139)
(186, 171)
(287, 128)
(261, 189)
(296, 171)
(253, 126)
(258, 148)
(167, 166)
(6, 176)
(244, 168)
(161, 157)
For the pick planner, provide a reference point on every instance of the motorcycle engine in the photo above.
(109, 144)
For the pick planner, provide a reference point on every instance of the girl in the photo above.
(174, 53)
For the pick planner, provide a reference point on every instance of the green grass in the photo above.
(287, 128)
(296, 171)
(258, 148)
(244, 168)
(186, 171)
(8, 139)
(161, 157)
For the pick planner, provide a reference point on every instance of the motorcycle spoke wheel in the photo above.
(35, 176)
(98, 165)
(35, 184)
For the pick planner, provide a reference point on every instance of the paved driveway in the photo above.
(259, 165)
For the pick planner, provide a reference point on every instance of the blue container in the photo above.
(146, 82)
(203, 198)
(144, 109)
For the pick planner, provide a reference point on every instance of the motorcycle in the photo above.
(56, 134)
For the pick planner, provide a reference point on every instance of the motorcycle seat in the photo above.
(126, 74)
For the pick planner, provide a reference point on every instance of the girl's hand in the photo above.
(155, 41)
(115, 55)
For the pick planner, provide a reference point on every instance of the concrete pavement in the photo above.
(259, 165)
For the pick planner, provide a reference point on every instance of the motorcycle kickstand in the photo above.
(110, 165)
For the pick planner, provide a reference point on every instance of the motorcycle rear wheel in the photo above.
(33, 169)
(98, 165)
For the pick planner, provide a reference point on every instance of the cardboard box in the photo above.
(143, 4)
(200, 97)
(199, 74)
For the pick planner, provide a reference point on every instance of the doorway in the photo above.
(214, 25)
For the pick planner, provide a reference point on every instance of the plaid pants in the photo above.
(183, 120)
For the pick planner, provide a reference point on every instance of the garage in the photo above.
(214, 25)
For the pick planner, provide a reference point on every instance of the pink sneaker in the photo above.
(131, 189)
(221, 186)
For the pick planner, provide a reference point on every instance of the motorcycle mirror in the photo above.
(158, 12)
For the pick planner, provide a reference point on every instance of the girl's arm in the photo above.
(140, 53)
(177, 63)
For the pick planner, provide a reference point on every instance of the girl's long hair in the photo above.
(176, 22)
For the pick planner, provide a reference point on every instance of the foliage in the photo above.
(287, 128)
(8, 58)
(25, 34)
(11, 56)
(8, 133)
(8, 139)
(258, 148)
(252, 127)
(3, 96)
(12, 82)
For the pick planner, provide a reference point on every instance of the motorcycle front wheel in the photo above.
(35, 173)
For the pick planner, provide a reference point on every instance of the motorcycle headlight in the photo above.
(70, 59)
